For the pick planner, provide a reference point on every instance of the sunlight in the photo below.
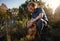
(53, 4)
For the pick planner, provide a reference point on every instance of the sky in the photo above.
(17, 3)
(12, 3)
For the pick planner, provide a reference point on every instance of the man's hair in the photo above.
(33, 4)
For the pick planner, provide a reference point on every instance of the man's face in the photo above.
(31, 9)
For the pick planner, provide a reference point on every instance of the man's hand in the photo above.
(32, 20)
(29, 24)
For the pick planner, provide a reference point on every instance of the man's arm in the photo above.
(34, 19)
(38, 17)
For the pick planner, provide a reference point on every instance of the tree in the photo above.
(57, 14)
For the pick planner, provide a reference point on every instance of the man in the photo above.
(38, 16)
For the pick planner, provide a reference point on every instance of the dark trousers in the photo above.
(40, 26)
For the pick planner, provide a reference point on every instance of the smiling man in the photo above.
(38, 16)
